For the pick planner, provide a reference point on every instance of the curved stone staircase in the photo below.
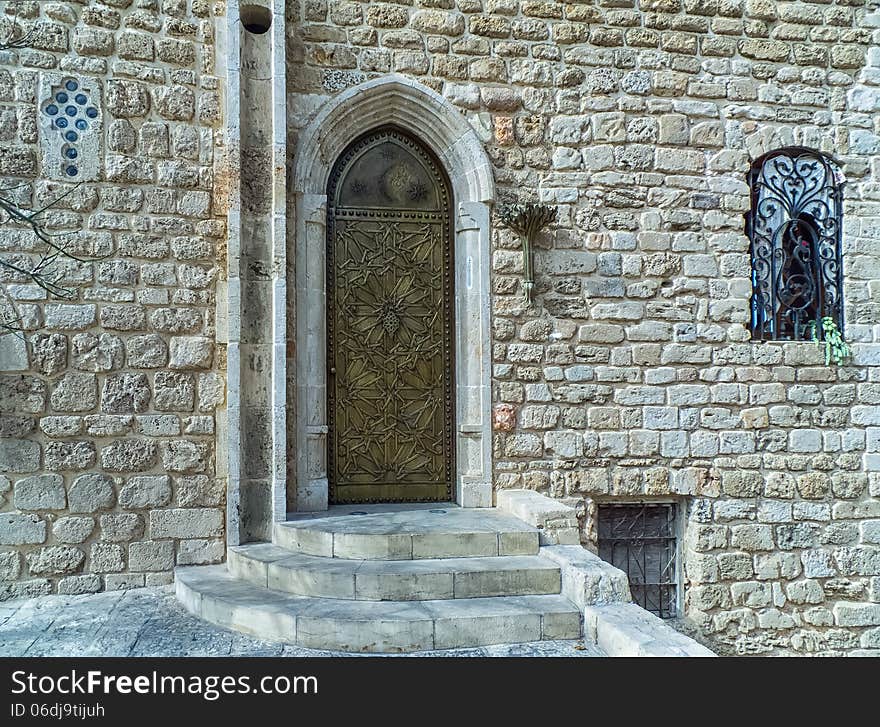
(395, 579)
(412, 580)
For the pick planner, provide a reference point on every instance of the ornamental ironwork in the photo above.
(527, 221)
(794, 225)
(641, 541)
(390, 308)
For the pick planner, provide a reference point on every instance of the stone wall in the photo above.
(633, 376)
(108, 395)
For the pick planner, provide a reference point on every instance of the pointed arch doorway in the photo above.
(390, 309)
(300, 367)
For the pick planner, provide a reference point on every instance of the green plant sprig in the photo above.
(835, 347)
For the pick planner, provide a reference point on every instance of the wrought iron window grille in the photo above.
(794, 227)
(641, 540)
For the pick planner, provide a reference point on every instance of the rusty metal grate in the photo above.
(641, 541)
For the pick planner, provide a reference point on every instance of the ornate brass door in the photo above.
(389, 319)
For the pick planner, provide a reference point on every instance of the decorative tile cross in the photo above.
(70, 121)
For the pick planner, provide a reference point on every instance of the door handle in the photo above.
(333, 371)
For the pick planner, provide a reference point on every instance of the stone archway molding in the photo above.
(405, 103)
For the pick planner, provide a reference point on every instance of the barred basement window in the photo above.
(794, 226)
(640, 540)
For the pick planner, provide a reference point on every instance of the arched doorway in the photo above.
(390, 323)
(300, 369)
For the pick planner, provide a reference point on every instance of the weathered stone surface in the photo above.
(73, 529)
(186, 523)
(191, 352)
(48, 353)
(173, 391)
(75, 392)
(125, 393)
(40, 492)
(120, 527)
(90, 493)
(21, 529)
(146, 352)
(61, 456)
(54, 560)
(145, 491)
(107, 558)
(151, 556)
(184, 456)
(97, 353)
(10, 566)
(129, 455)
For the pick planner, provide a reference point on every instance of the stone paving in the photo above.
(150, 622)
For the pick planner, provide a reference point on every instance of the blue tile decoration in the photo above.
(70, 117)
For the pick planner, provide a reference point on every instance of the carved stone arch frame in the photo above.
(411, 106)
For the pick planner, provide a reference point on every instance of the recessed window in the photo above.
(255, 18)
(641, 541)
(794, 227)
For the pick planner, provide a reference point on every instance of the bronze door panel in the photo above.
(389, 293)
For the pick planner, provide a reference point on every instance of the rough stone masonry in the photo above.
(631, 377)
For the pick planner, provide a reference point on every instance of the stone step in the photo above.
(438, 532)
(211, 593)
(268, 565)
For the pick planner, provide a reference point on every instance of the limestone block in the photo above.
(75, 392)
(78, 585)
(21, 529)
(608, 127)
(90, 493)
(176, 103)
(55, 560)
(69, 316)
(129, 455)
(10, 566)
(624, 629)
(146, 351)
(200, 551)
(48, 353)
(186, 523)
(191, 352)
(145, 491)
(857, 614)
(40, 492)
(673, 129)
(73, 529)
(107, 558)
(132, 45)
(184, 456)
(120, 527)
(211, 391)
(125, 393)
(151, 556)
(19, 455)
(176, 320)
(13, 352)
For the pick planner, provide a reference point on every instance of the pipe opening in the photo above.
(255, 18)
